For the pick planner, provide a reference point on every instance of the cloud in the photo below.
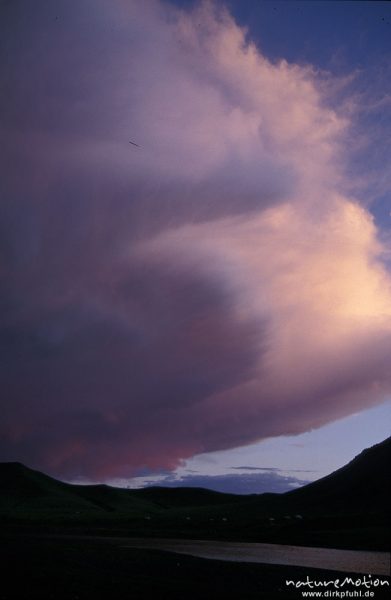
(244, 468)
(254, 483)
(214, 286)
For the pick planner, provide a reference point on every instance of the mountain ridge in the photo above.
(363, 466)
(349, 507)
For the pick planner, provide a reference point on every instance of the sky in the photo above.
(195, 239)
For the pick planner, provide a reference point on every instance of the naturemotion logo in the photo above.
(364, 587)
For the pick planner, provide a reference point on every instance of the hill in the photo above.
(26, 494)
(347, 508)
(362, 486)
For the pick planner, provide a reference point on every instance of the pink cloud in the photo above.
(214, 286)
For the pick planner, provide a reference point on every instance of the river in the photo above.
(352, 561)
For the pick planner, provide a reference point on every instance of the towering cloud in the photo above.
(211, 286)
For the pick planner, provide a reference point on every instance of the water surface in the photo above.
(353, 561)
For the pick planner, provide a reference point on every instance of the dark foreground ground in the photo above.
(38, 567)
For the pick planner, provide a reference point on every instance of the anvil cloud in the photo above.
(213, 286)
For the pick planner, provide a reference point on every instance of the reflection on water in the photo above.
(353, 561)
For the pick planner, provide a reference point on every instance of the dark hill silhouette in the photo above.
(24, 491)
(351, 502)
(183, 496)
(364, 484)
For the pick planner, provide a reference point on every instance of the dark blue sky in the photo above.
(327, 34)
(330, 35)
